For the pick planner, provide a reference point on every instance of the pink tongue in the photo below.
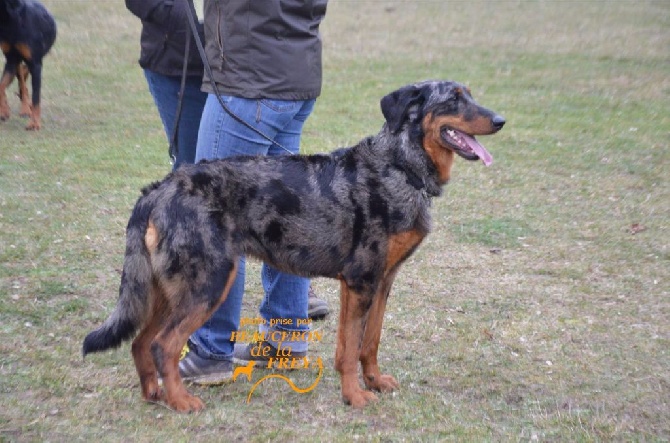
(478, 149)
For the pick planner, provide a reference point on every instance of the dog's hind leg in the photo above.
(353, 307)
(141, 348)
(372, 376)
(6, 80)
(184, 320)
(22, 76)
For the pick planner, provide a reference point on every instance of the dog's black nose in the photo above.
(498, 122)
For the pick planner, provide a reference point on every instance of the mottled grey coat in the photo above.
(355, 215)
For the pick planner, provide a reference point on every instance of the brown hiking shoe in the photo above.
(317, 308)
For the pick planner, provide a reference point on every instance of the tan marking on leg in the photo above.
(35, 122)
(151, 237)
(5, 111)
(24, 50)
(372, 376)
(141, 347)
(400, 246)
(349, 335)
(172, 341)
(22, 76)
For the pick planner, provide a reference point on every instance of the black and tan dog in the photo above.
(355, 215)
(27, 32)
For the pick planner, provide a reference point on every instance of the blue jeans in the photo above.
(221, 136)
(165, 91)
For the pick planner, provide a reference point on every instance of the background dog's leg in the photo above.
(353, 308)
(35, 122)
(373, 378)
(5, 81)
(22, 76)
(141, 348)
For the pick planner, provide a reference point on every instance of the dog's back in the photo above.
(276, 208)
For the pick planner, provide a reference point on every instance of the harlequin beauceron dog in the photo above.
(27, 32)
(355, 215)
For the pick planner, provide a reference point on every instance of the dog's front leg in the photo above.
(400, 247)
(353, 307)
(372, 376)
(35, 121)
(5, 81)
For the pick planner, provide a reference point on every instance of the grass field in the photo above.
(538, 309)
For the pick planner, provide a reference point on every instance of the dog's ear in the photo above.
(396, 106)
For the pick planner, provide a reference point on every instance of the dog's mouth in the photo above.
(466, 146)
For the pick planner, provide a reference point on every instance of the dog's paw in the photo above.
(153, 393)
(25, 111)
(381, 383)
(5, 113)
(186, 403)
(358, 398)
(33, 126)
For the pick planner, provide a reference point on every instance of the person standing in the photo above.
(265, 59)
(163, 42)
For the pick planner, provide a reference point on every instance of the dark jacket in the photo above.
(264, 48)
(163, 39)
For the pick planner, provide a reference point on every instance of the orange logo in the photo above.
(279, 358)
(305, 362)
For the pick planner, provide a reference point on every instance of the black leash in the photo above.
(174, 148)
(174, 142)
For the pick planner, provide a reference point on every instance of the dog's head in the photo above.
(445, 117)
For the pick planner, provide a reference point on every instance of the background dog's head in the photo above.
(442, 113)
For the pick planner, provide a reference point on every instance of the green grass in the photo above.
(534, 311)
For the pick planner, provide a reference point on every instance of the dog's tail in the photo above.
(131, 307)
